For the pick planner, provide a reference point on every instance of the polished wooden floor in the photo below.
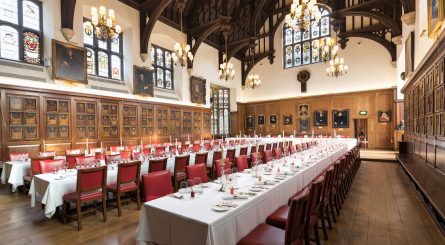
(381, 208)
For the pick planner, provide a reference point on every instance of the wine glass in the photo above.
(182, 186)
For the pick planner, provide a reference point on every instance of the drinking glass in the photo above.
(183, 185)
(190, 183)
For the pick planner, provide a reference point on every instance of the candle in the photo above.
(283, 133)
(294, 133)
(176, 141)
(101, 145)
(44, 146)
(170, 139)
(188, 137)
(142, 145)
(121, 140)
(150, 140)
(87, 145)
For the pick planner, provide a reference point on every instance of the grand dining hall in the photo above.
(222, 122)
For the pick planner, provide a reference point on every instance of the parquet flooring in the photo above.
(381, 208)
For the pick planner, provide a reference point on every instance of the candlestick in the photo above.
(101, 145)
(188, 137)
(142, 145)
(44, 146)
(176, 141)
(87, 145)
(170, 139)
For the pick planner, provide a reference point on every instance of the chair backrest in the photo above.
(197, 170)
(260, 148)
(115, 148)
(196, 147)
(267, 155)
(48, 153)
(327, 184)
(126, 155)
(156, 185)
(201, 157)
(253, 149)
(298, 147)
(156, 165)
(296, 218)
(146, 146)
(207, 146)
(113, 158)
(230, 154)
(94, 150)
(130, 147)
(85, 160)
(136, 156)
(47, 166)
(159, 151)
(73, 152)
(227, 166)
(268, 147)
(274, 145)
(277, 152)
(181, 162)
(241, 163)
(172, 148)
(243, 151)
(91, 179)
(216, 155)
(256, 156)
(35, 164)
(19, 156)
(71, 159)
(99, 156)
(314, 197)
(146, 151)
(128, 173)
(280, 145)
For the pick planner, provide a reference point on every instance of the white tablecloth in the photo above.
(191, 221)
(13, 173)
(51, 190)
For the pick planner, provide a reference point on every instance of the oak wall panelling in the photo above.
(379, 134)
(98, 120)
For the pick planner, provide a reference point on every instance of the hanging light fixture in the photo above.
(226, 70)
(301, 13)
(104, 25)
(182, 52)
(337, 67)
(328, 48)
(253, 80)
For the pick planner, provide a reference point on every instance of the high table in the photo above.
(13, 173)
(170, 220)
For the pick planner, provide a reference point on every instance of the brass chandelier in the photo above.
(226, 69)
(182, 50)
(301, 14)
(253, 80)
(104, 25)
(328, 49)
(337, 67)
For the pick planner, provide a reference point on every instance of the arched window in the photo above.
(104, 58)
(163, 65)
(21, 30)
(302, 47)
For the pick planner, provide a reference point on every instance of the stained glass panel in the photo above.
(31, 15)
(116, 67)
(88, 33)
(160, 78)
(297, 36)
(9, 11)
(315, 52)
(103, 64)
(306, 35)
(168, 60)
(159, 57)
(297, 55)
(31, 47)
(325, 26)
(115, 46)
(91, 62)
(288, 36)
(288, 56)
(9, 43)
(102, 44)
(152, 54)
(315, 30)
(306, 53)
(168, 79)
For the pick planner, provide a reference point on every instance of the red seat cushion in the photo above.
(84, 197)
(123, 188)
(264, 234)
(279, 217)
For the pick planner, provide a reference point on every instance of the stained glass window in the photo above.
(220, 116)
(104, 58)
(302, 47)
(163, 64)
(20, 30)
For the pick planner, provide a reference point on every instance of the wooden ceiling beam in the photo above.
(389, 22)
(390, 47)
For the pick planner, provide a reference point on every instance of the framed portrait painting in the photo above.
(384, 116)
(435, 16)
(69, 62)
(409, 54)
(142, 81)
(303, 110)
(340, 118)
(261, 120)
(320, 118)
(198, 90)
(273, 119)
(303, 125)
(250, 122)
(287, 120)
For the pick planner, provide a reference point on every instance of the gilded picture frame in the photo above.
(198, 90)
(69, 62)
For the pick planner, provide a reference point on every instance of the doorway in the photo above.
(361, 131)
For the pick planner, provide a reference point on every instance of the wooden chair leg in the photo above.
(328, 217)
(119, 204)
(104, 208)
(138, 198)
(323, 223)
(307, 238)
(65, 211)
(95, 206)
(316, 234)
(331, 207)
(79, 216)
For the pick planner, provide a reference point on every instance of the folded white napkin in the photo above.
(230, 197)
(267, 182)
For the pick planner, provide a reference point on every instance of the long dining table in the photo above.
(180, 219)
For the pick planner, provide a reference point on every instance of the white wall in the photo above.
(369, 68)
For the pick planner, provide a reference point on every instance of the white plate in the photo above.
(220, 208)
(255, 189)
(267, 173)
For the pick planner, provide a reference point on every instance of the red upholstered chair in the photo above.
(324, 201)
(73, 151)
(280, 145)
(230, 153)
(19, 156)
(71, 159)
(196, 147)
(207, 146)
(201, 157)
(253, 149)
(179, 174)
(35, 169)
(261, 148)
(274, 146)
(99, 156)
(277, 152)
(241, 163)
(268, 147)
(156, 165)
(128, 176)
(113, 158)
(146, 151)
(146, 146)
(197, 170)
(47, 166)
(156, 185)
(227, 166)
(95, 150)
(265, 234)
(130, 147)
(243, 151)
(48, 153)
(212, 170)
(298, 147)
(115, 148)
(172, 149)
(184, 148)
(159, 151)
(91, 187)
(85, 160)
(267, 156)
(255, 157)
(126, 155)
(135, 156)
